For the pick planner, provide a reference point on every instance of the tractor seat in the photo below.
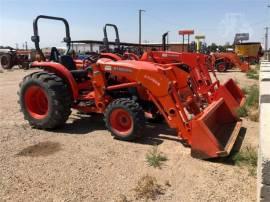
(79, 73)
(68, 62)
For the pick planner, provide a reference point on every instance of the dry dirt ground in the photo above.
(82, 162)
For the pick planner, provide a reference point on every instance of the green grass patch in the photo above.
(253, 74)
(250, 108)
(247, 157)
(245, 90)
(155, 158)
(253, 96)
(242, 111)
(257, 66)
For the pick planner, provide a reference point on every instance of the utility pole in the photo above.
(266, 39)
(140, 25)
(266, 42)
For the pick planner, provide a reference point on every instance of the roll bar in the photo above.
(164, 37)
(35, 38)
(106, 40)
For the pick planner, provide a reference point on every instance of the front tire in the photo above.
(45, 100)
(221, 67)
(125, 119)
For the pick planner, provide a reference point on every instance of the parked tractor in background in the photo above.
(228, 60)
(11, 57)
(124, 91)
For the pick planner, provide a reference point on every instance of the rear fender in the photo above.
(112, 56)
(61, 71)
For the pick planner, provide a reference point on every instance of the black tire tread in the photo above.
(135, 111)
(9, 58)
(59, 93)
(217, 65)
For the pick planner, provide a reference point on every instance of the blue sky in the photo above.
(218, 20)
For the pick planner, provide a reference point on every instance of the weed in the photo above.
(257, 66)
(167, 183)
(253, 74)
(242, 111)
(155, 158)
(245, 90)
(253, 97)
(250, 108)
(248, 158)
(121, 198)
(254, 115)
(148, 188)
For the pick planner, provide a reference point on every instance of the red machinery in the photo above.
(198, 66)
(124, 91)
(228, 60)
(11, 57)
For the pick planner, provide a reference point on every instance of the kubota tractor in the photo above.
(228, 60)
(123, 91)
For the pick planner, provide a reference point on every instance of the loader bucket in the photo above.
(232, 95)
(214, 132)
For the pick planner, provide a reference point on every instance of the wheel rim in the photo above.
(121, 122)
(221, 67)
(36, 102)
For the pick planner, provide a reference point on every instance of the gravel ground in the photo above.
(82, 162)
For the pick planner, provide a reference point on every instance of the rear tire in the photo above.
(6, 61)
(125, 119)
(45, 100)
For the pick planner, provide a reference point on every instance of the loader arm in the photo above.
(161, 86)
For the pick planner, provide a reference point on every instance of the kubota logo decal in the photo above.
(169, 55)
(122, 69)
(164, 55)
(152, 79)
(108, 68)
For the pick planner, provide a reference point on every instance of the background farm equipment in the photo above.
(228, 60)
(249, 51)
(12, 57)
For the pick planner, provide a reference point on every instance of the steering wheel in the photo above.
(92, 58)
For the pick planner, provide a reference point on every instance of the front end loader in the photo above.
(196, 64)
(200, 66)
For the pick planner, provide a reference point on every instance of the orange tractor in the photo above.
(196, 64)
(228, 60)
(124, 91)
